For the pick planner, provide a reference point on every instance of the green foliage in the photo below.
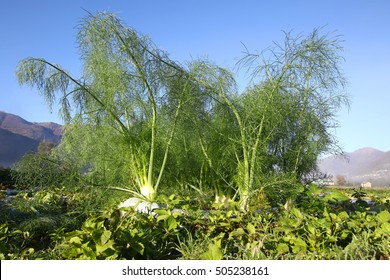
(213, 252)
(287, 114)
(41, 169)
(31, 216)
(12, 244)
(135, 118)
(6, 178)
(45, 147)
(99, 153)
(112, 235)
(123, 97)
(91, 242)
(320, 229)
(359, 194)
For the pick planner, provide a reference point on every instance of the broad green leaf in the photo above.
(75, 239)
(96, 235)
(333, 217)
(163, 217)
(343, 215)
(88, 252)
(386, 228)
(251, 228)
(352, 224)
(331, 238)
(336, 196)
(213, 253)
(177, 214)
(229, 213)
(237, 232)
(172, 223)
(282, 248)
(345, 234)
(105, 237)
(288, 237)
(223, 224)
(218, 239)
(161, 211)
(71, 252)
(297, 213)
(101, 248)
(383, 216)
(311, 229)
(299, 245)
(93, 223)
(300, 188)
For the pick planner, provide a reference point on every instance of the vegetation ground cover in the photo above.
(58, 224)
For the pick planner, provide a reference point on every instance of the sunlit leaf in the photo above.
(282, 248)
(383, 216)
(251, 228)
(172, 223)
(335, 196)
(75, 239)
(297, 213)
(106, 235)
(213, 253)
(386, 228)
(299, 245)
(237, 232)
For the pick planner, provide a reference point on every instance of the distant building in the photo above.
(330, 183)
(366, 185)
(324, 182)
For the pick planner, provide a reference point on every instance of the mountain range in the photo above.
(362, 165)
(18, 137)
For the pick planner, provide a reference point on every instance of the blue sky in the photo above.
(215, 29)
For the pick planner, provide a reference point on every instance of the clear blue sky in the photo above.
(213, 29)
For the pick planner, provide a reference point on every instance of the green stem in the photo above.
(152, 101)
(170, 139)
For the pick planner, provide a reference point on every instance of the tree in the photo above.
(45, 147)
(340, 180)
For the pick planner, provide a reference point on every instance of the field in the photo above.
(320, 223)
(207, 171)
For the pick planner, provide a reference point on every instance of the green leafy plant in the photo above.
(93, 241)
(125, 80)
(224, 168)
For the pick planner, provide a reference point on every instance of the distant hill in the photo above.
(366, 164)
(18, 136)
